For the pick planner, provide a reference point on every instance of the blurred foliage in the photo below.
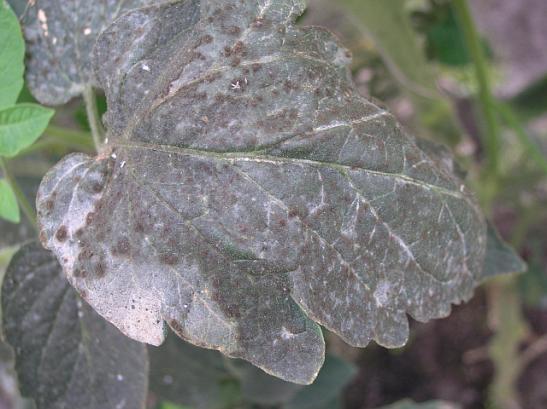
(198, 378)
(407, 404)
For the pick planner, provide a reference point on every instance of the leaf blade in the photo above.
(12, 51)
(20, 126)
(500, 257)
(60, 39)
(335, 375)
(9, 208)
(243, 176)
(187, 375)
(66, 355)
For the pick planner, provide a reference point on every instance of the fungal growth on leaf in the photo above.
(249, 194)
(60, 36)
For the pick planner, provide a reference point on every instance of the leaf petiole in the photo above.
(93, 116)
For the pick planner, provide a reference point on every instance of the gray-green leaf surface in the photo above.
(60, 35)
(66, 355)
(248, 193)
(500, 257)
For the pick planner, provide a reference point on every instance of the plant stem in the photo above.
(512, 121)
(486, 99)
(511, 329)
(97, 130)
(26, 207)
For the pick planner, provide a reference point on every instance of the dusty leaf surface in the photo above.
(60, 36)
(66, 355)
(248, 193)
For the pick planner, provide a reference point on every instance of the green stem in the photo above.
(486, 99)
(26, 207)
(93, 117)
(512, 121)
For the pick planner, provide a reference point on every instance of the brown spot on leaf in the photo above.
(260, 22)
(43, 238)
(61, 234)
(232, 30)
(239, 49)
(89, 218)
(122, 247)
(100, 270)
(97, 187)
(85, 254)
(206, 39)
(232, 311)
(139, 227)
(80, 273)
(176, 326)
(169, 259)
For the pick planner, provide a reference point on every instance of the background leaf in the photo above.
(66, 355)
(408, 404)
(60, 37)
(500, 257)
(321, 210)
(190, 376)
(9, 209)
(325, 391)
(389, 24)
(187, 375)
(20, 126)
(260, 388)
(10, 397)
(12, 51)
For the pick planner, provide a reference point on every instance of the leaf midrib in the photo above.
(234, 156)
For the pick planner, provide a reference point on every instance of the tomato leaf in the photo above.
(60, 37)
(66, 355)
(10, 397)
(334, 376)
(500, 258)
(12, 52)
(248, 193)
(184, 374)
(187, 375)
(20, 126)
(9, 208)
